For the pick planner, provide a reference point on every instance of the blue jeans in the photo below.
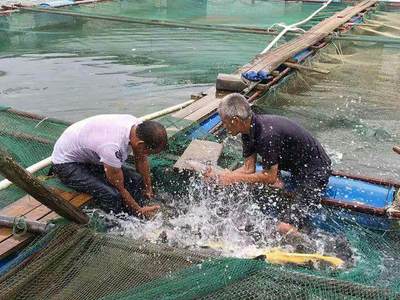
(91, 179)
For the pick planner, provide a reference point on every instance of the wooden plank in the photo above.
(200, 153)
(17, 209)
(77, 201)
(10, 169)
(20, 207)
(272, 59)
(183, 113)
(14, 243)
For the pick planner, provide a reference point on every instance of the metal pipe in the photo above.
(29, 225)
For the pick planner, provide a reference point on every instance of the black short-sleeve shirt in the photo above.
(281, 141)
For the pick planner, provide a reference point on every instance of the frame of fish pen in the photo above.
(377, 214)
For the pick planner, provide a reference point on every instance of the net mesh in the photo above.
(79, 263)
(28, 140)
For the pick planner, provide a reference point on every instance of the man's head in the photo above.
(149, 137)
(235, 114)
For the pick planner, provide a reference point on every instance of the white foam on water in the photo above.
(225, 220)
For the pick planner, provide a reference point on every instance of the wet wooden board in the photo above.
(31, 210)
(198, 154)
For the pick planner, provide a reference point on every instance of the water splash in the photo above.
(228, 221)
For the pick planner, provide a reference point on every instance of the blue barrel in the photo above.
(353, 190)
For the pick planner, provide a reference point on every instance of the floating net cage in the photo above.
(75, 262)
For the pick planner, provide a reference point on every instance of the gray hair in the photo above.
(234, 105)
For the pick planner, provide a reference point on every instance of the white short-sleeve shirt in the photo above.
(98, 139)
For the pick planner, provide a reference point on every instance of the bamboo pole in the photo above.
(167, 110)
(20, 177)
(379, 33)
(239, 29)
(32, 169)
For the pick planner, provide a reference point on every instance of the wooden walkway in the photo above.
(33, 210)
(204, 107)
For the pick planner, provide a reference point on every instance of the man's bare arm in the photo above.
(249, 166)
(269, 176)
(143, 167)
(116, 177)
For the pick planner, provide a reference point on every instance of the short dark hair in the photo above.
(153, 134)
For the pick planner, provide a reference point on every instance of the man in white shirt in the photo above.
(89, 157)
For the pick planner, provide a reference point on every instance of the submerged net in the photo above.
(78, 263)
(28, 140)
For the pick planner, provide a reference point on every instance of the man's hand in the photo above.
(225, 178)
(222, 178)
(148, 194)
(279, 184)
(148, 211)
(209, 174)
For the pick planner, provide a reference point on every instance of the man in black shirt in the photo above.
(282, 145)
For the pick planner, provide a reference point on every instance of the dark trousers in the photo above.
(91, 179)
(306, 200)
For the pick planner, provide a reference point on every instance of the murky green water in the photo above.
(70, 68)
(73, 67)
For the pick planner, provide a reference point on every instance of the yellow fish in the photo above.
(277, 256)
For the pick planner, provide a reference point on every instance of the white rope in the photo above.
(293, 27)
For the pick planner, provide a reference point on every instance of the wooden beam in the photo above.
(301, 67)
(199, 153)
(269, 61)
(16, 174)
(379, 181)
(27, 207)
(11, 243)
(272, 59)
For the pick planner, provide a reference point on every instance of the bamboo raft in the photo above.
(198, 111)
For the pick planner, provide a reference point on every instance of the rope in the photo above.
(19, 226)
(293, 27)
